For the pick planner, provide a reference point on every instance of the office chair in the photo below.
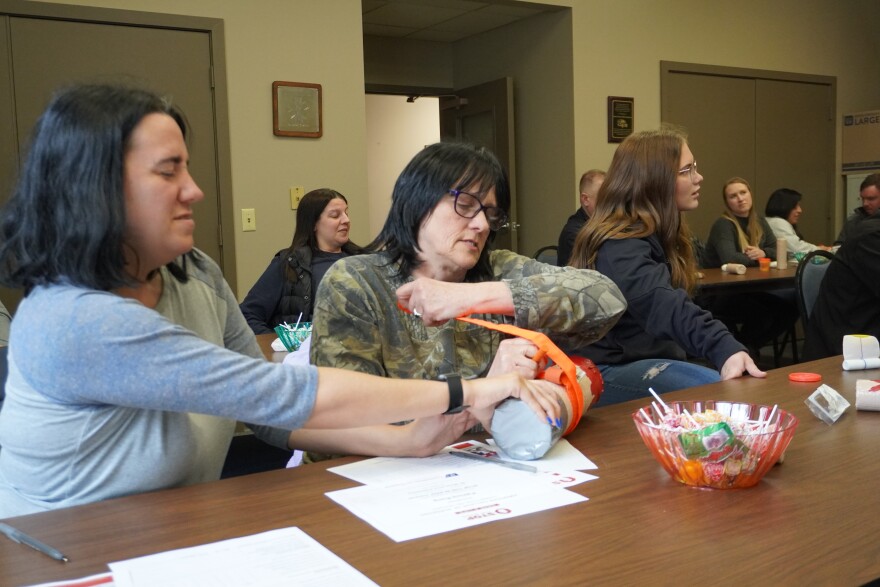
(546, 254)
(807, 280)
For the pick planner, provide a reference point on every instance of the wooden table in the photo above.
(265, 342)
(812, 520)
(717, 281)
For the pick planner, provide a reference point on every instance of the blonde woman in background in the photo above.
(741, 236)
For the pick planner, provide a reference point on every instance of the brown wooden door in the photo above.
(483, 115)
(773, 128)
(723, 144)
(794, 144)
(47, 54)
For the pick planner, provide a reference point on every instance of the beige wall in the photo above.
(407, 62)
(537, 54)
(617, 47)
(396, 131)
(289, 40)
(619, 43)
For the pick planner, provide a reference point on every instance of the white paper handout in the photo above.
(466, 494)
(558, 470)
(285, 557)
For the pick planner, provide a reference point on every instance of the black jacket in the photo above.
(849, 297)
(567, 237)
(661, 321)
(275, 299)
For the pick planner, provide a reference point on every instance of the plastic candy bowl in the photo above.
(723, 445)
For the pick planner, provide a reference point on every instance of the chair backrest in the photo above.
(546, 254)
(808, 278)
(699, 251)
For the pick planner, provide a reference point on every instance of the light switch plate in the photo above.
(248, 219)
(296, 194)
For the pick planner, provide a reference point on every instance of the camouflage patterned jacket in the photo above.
(357, 324)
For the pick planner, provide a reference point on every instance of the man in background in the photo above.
(589, 187)
(849, 296)
(869, 193)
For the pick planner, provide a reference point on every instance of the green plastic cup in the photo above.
(292, 338)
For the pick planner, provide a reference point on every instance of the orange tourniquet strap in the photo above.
(545, 347)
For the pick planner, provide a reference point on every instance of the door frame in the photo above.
(509, 138)
(494, 97)
(214, 28)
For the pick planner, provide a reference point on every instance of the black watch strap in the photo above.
(456, 394)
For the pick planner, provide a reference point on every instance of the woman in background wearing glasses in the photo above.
(391, 312)
(638, 237)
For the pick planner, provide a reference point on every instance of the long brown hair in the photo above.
(754, 232)
(637, 200)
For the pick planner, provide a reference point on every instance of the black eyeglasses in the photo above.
(468, 206)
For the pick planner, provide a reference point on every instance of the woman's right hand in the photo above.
(516, 355)
(739, 363)
(482, 395)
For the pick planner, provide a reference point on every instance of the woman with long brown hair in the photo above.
(639, 239)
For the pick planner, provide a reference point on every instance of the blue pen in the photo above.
(22, 538)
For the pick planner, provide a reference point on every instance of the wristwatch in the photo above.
(456, 394)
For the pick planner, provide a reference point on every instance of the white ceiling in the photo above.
(441, 20)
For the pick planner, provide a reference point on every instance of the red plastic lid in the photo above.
(804, 377)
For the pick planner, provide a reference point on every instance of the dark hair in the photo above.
(871, 180)
(308, 213)
(782, 202)
(425, 180)
(66, 218)
(637, 199)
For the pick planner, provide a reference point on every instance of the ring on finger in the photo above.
(416, 313)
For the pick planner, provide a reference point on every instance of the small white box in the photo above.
(826, 404)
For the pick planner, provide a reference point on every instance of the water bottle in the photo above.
(781, 253)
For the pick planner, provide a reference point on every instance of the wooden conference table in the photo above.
(716, 281)
(812, 520)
